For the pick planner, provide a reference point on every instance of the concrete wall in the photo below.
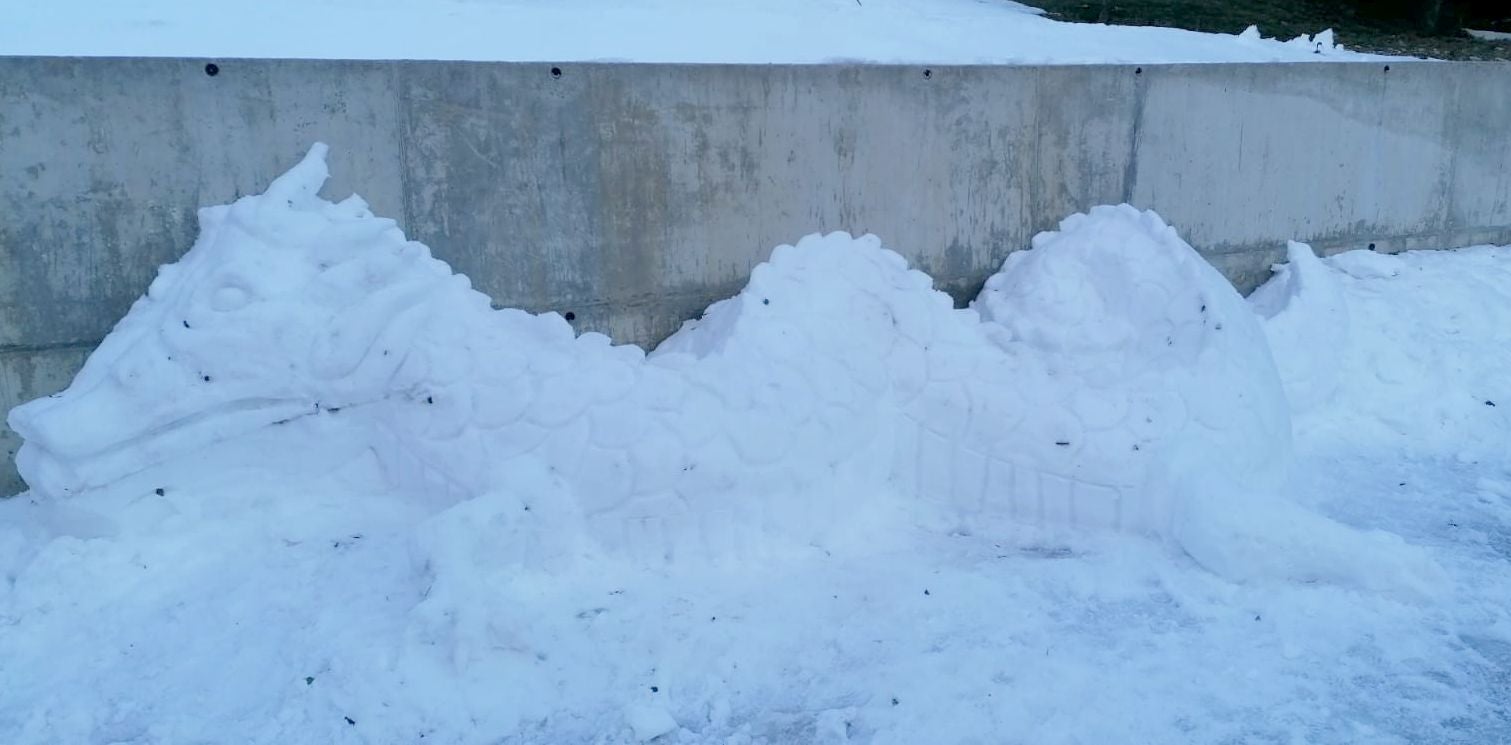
(633, 195)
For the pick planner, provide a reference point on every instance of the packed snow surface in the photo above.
(313, 488)
(734, 31)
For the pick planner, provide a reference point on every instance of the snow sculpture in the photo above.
(1117, 381)
(1154, 370)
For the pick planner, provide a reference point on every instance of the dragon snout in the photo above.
(45, 473)
(79, 424)
(82, 439)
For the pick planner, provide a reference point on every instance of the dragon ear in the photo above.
(300, 184)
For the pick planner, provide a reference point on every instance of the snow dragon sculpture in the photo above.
(1108, 378)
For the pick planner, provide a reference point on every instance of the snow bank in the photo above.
(1117, 382)
(1306, 323)
(1395, 351)
(728, 31)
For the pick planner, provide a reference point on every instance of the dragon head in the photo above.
(278, 310)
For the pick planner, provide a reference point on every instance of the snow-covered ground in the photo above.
(745, 31)
(1286, 519)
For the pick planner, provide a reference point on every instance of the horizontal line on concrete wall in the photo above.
(6, 349)
(641, 299)
(1448, 239)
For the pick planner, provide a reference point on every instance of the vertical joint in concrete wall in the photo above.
(1135, 132)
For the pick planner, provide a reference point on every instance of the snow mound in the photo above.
(1158, 374)
(1320, 44)
(1367, 264)
(1117, 382)
(1395, 350)
(1306, 323)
